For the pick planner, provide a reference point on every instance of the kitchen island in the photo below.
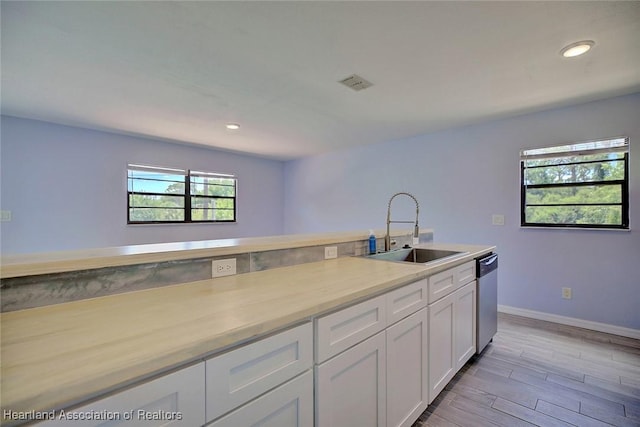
(58, 356)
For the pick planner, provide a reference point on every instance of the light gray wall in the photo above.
(66, 188)
(463, 176)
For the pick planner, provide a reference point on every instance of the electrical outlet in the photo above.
(330, 252)
(223, 267)
(566, 293)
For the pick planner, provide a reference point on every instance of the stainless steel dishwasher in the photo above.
(487, 312)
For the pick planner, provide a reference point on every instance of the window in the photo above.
(213, 197)
(576, 185)
(165, 195)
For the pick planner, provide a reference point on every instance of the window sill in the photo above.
(535, 227)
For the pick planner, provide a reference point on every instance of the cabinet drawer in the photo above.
(406, 300)
(178, 398)
(290, 405)
(442, 284)
(466, 272)
(445, 282)
(338, 331)
(235, 378)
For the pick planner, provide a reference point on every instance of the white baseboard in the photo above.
(572, 321)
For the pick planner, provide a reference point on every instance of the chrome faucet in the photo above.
(416, 231)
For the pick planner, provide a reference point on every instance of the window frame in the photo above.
(622, 183)
(186, 195)
(190, 196)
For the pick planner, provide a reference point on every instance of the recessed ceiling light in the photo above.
(233, 126)
(577, 49)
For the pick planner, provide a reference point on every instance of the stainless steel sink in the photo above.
(416, 255)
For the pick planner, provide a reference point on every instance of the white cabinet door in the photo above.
(465, 323)
(338, 331)
(176, 399)
(441, 345)
(407, 370)
(290, 405)
(236, 377)
(351, 387)
(452, 336)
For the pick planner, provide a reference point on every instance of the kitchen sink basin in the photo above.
(416, 255)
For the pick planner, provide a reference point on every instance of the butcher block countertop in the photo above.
(59, 355)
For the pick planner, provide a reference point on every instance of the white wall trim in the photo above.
(571, 321)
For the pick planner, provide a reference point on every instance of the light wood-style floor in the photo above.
(544, 374)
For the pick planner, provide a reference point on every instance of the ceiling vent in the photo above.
(356, 82)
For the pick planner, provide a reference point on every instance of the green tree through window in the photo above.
(577, 185)
(164, 195)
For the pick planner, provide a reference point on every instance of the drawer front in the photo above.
(290, 405)
(176, 399)
(338, 331)
(235, 378)
(406, 300)
(445, 282)
(466, 273)
(442, 284)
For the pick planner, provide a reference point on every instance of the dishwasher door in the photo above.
(487, 311)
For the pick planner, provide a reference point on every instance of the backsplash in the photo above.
(18, 293)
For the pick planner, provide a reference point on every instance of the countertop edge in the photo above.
(19, 265)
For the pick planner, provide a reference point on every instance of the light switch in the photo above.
(5, 216)
(497, 219)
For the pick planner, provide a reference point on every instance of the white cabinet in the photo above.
(176, 399)
(351, 387)
(452, 324)
(465, 323)
(441, 345)
(407, 369)
(267, 383)
(379, 380)
(236, 377)
(290, 405)
(377, 363)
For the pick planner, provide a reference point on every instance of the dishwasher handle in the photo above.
(486, 264)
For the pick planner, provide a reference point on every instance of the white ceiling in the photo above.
(180, 70)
